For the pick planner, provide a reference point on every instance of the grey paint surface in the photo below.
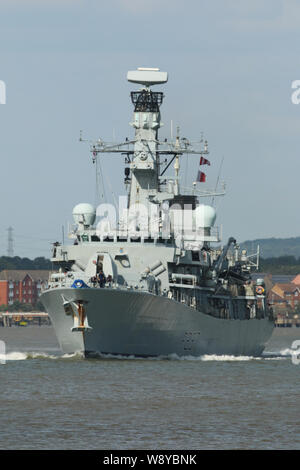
(133, 323)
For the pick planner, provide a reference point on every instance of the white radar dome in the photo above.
(205, 216)
(84, 213)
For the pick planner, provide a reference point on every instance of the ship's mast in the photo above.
(144, 175)
(146, 122)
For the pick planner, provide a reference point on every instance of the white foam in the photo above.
(227, 357)
(282, 354)
(286, 352)
(175, 357)
(13, 356)
(22, 356)
(114, 356)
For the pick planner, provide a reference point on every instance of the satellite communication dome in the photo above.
(84, 213)
(205, 216)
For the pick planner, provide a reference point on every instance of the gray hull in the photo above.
(142, 324)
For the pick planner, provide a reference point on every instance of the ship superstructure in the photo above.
(150, 278)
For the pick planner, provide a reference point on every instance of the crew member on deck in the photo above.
(101, 279)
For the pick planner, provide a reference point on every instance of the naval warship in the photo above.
(154, 280)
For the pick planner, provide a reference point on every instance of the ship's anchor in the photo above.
(77, 310)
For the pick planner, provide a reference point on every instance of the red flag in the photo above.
(201, 177)
(203, 161)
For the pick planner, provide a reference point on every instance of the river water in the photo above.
(55, 401)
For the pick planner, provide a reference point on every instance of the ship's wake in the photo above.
(78, 356)
(22, 356)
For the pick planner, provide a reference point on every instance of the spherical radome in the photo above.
(205, 216)
(84, 213)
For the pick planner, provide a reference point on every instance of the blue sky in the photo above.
(230, 63)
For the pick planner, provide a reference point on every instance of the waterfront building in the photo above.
(22, 285)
